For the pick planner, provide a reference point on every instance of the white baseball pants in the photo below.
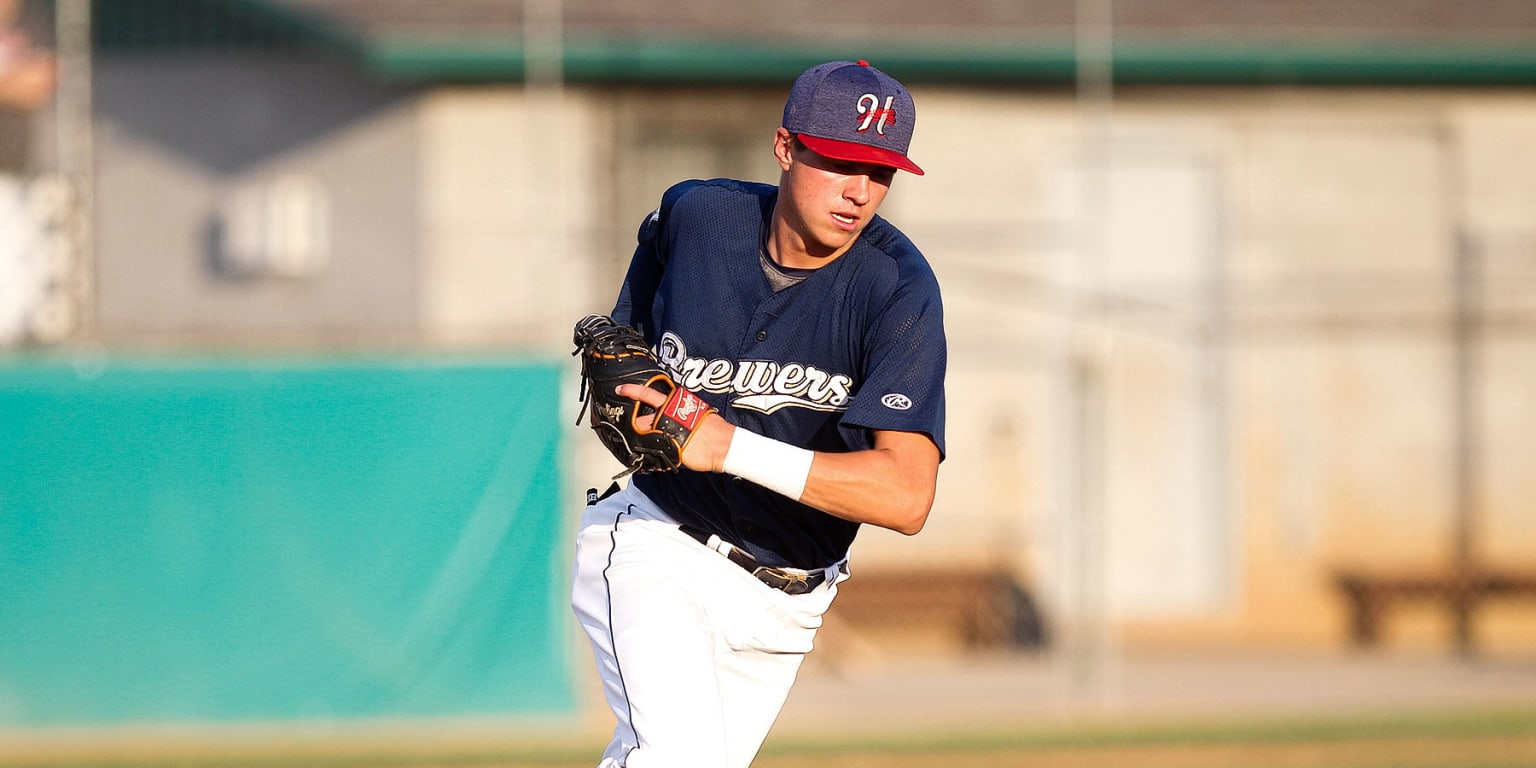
(696, 655)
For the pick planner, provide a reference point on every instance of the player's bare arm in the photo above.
(891, 485)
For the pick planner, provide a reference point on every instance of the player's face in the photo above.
(827, 202)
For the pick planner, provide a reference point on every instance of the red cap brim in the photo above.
(859, 153)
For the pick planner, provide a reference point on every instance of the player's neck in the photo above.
(790, 249)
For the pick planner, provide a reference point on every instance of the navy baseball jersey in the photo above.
(815, 358)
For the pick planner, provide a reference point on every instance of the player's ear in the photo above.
(783, 148)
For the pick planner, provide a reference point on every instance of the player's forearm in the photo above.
(877, 486)
(891, 485)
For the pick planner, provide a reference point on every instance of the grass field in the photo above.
(1494, 739)
(1487, 739)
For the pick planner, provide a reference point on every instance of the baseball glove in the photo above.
(611, 355)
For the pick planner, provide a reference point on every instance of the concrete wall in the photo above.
(188, 146)
(513, 206)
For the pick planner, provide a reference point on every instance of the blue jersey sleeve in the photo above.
(636, 303)
(904, 365)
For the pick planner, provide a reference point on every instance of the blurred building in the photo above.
(1239, 293)
(32, 264)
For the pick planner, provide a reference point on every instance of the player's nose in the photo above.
(856, 190)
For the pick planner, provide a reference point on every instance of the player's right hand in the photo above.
(705, 451)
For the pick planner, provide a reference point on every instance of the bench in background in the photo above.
(987, 608)
(1371, 596)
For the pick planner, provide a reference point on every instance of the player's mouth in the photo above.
(845, 221)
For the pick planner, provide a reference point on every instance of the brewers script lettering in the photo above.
(759, 385)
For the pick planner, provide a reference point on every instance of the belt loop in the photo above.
(719, 545)
(593, 497)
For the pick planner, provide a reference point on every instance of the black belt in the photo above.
(791, 581)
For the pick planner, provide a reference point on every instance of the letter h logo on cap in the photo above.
(848, 110)
(869, 107)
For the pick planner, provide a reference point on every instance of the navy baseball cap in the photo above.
(848, 110)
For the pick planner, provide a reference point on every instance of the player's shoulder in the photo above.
(704, 202)
(707, 192)
(894, 259)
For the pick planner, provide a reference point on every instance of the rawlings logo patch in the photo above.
(686, 408)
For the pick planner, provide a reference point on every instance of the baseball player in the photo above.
(813, 329)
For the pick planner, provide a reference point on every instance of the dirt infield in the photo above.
(905, 695)
(1189, 711)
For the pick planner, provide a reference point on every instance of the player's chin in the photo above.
(835, 238)
(831, 246)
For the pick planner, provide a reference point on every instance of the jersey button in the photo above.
(762, 335)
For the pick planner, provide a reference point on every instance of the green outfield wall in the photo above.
(271, 540)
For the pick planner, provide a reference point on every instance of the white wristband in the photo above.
(774, 465)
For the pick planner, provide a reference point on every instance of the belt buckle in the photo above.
(784, 581)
